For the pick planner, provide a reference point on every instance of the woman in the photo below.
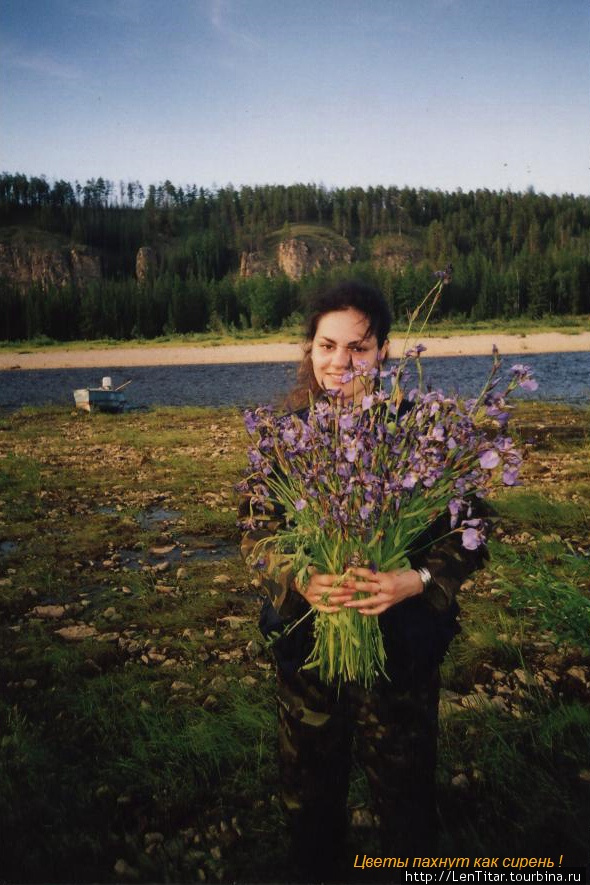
(394, 723)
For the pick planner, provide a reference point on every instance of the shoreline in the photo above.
(123, 357)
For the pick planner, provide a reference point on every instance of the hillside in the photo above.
(246, 258)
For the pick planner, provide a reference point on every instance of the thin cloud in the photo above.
(220, 12)
(41, 63)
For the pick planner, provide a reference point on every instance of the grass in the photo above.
(162, 722)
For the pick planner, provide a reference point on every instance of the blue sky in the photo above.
(425, 93)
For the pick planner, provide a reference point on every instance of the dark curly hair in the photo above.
(343, 296)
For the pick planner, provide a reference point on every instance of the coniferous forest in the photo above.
(513, 254)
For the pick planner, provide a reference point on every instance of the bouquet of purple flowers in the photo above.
(359, 483)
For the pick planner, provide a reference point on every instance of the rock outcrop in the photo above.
(296, 257)
(255, 262)
(145, 264)
(26, 266)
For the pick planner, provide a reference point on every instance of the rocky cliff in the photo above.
(297, 256)
(29, 265)
(145, 264)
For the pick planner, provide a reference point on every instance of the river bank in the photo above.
(137, 702)
(159, 355)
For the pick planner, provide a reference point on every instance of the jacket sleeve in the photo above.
(273, 569)
(446, 559)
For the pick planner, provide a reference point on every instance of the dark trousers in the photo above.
(395, 726)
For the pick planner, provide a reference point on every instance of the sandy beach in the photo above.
(454, 345)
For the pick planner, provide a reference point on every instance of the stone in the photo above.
(49, 612)
(234, 622)
(460, 782)
(248, 681)
(577, 674)
(210, 702)
(155, 657)
(77, 632)
(109, 637)
(362, 819)
(162, 551)
(161, 567)
(221, 580)
(523, 677)
(475, 701)
(498, 703)
(179, 686)
(123, 870)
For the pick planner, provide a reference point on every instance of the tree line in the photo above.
(514, 254)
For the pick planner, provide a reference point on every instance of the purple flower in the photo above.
(510, 476)
(301, 504)
(409, 480)
(471, 539)
(454, 510)
(350, 452)
(489, 459)
(250, 421)
(414, 352)
(523, 377)
(473, 535)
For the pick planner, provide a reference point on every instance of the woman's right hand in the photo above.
(320, 587)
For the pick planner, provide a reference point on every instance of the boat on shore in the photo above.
(103, 399)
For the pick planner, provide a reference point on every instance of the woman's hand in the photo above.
(321, 587)
(385, 589)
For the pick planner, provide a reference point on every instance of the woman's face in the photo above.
(341, 343)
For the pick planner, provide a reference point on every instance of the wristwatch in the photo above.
(425, 577)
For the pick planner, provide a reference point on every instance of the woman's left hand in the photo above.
(385, 588)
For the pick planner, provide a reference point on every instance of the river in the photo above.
(563, 377)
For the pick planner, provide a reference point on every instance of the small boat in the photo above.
(104, 398)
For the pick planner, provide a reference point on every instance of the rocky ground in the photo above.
(138, 713)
